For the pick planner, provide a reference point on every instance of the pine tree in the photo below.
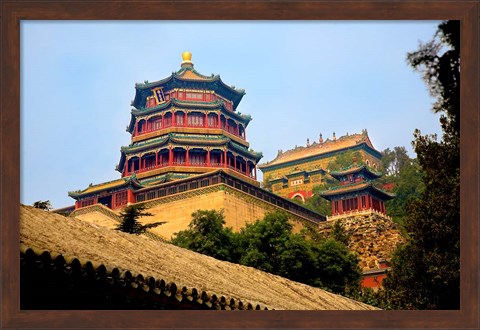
(130, 216)
(43, 205)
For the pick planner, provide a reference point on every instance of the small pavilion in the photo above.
(356, 192)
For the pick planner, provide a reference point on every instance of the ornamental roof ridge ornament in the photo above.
(187, 60)
(328, 145)
(188, 72)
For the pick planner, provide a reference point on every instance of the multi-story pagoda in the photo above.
(356, 192)
(183, 125)
(187, 124)
(188, 151)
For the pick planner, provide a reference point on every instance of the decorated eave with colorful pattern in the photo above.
(179, 140)
(320, 150)
(364, 171)
(176, 139)
(188, 77)
(110, 186)
(343, 191)
(306, 174)
(217, 105)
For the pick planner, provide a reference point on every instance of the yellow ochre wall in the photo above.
(239, 209)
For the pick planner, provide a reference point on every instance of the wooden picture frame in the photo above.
(12, 12)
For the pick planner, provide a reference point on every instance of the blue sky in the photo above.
(301, 79)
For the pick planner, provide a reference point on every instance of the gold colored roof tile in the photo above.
(103, 186)
(188, 74)
(320, 148)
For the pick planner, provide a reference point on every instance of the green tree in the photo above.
(264, 241)
(43, 205)
(130, 224)
(393, 161)
(206, 234)
(337, 266)
(339, 234)
(317, 203)
(405, 174)
(271, 246)
(426, 269)
(345, 160)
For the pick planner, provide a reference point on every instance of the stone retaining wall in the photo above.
(373, 237)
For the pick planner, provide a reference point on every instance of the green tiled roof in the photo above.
(187, 77)
(356, 169)
(340, 190)
(132, 179)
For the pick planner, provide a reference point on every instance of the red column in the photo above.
(156, 159)
(161, 160)
(340, 206)
(205, 123)
(247, 169)
(174, 119)
(225, 158)
(238, 130)
(130, 197)
(218, 124)
(234, 162)
(185, 120)
(170, 156)
(114, 200)
(77, 205)
(359, 203)
(187, 161)
(208, 158)
(255, 172)
(163, 121)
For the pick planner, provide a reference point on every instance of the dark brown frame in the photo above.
(13, 11)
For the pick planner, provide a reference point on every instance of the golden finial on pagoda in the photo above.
(187, 59)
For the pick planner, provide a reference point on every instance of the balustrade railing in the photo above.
(197, 164)
(200, 164)
(193, 125)
(196, 125)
